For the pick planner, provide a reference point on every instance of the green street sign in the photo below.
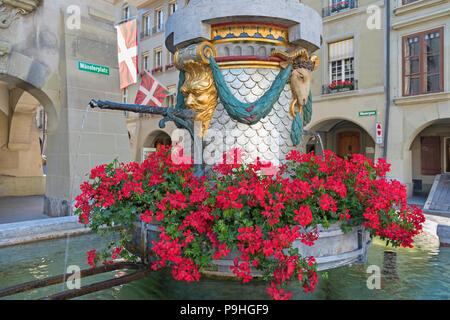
(84, 66)
(367, 113)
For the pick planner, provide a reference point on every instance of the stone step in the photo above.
(42, 229)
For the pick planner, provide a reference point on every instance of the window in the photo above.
(146, 61)
(172, 96)
(423, 62)
(341, 66)
(158, 58)
(147, 25)
(336, 6)
(159, 20)
(171, 61)
(126, 13)
(172, 8)
(171, 100)
(125, 95)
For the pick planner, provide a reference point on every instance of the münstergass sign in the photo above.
(84, 66)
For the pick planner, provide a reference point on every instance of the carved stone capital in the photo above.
(10, 10)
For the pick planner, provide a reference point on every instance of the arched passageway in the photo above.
(343, 137)
(154, 142)
(430, 154)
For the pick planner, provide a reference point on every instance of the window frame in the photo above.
(422, 61)
(147, 26)
(173, 3)
(126, 14)
(156, 60)
(145, 59)
(159, 24)
(342, 63)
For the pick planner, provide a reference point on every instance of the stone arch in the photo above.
(344, 136)
(418, 128)
(262, 51)
(27, 83)
(237, 50)
(36, 79)
(432, 137)
(330, 122)
(251, 50)
(154, 136)
(154, 140)
(226, 51)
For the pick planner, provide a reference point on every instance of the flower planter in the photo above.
(332, 249)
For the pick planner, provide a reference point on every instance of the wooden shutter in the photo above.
(431, 155)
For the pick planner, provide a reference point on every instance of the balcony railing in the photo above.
(339, 7)
(339, 87)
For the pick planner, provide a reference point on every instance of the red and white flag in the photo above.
(127, 53)
(151, 92)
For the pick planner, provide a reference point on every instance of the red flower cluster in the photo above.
(257, 212)
(334, 85)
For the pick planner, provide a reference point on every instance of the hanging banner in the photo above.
(127, 53)
(151, 92)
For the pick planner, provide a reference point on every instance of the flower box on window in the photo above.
(170, 66)
(340, 6)
(157, 69)
(341, 85)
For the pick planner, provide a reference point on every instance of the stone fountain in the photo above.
(245, 75)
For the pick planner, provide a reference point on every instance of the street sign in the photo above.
(367, 113)
(89, 67)
(379, 133)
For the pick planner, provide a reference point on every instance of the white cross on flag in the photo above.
(127, 53)
(151, 92)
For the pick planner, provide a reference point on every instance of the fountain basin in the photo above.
(332, 249)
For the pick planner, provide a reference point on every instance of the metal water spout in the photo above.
(318, 138)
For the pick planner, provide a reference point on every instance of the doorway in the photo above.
(349, 143)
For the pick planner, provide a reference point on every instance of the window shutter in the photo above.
(341, 50)
(431, 155)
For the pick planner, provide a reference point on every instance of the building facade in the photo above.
(381, 89)
(50, 56)
(419, 130)
(145, 134)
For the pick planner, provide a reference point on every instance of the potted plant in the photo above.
(254, 212)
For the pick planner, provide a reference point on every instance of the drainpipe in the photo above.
(387, 5)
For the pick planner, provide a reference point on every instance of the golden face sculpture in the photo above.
(199, 91)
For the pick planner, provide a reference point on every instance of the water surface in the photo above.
(419, 273)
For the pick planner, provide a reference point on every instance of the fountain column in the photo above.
(248, 40)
